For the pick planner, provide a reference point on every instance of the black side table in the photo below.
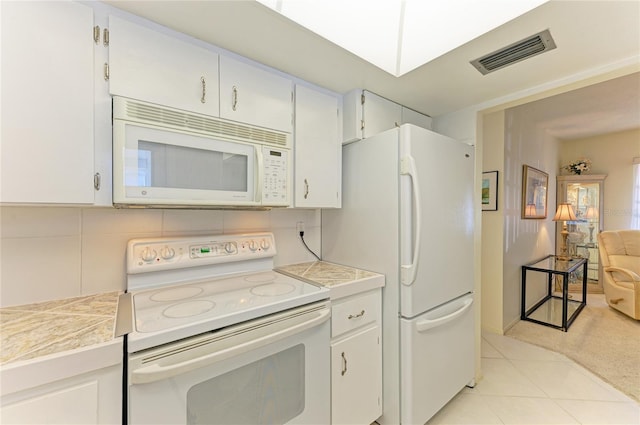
(543, 311)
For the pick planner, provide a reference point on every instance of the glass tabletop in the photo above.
(551, 263)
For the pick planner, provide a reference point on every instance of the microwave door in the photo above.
(161, 167)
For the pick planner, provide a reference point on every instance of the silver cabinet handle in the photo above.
(234, 98)
(306, 189)
(344, 364)
(355, 316)
(204, 89)
(96, 181)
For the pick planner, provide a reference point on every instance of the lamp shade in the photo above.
(530, 210)
(564, 213)
(592, 212)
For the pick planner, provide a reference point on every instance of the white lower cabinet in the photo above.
(94, 398)
(356, 359)
(91, 398)
(80, 386)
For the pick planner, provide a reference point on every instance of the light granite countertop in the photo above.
(35, 330)
(341, 280)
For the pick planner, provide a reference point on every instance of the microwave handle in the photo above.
(259, 175)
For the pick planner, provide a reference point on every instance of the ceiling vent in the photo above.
(516, 52)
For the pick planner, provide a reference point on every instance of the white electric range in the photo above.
(220, 337)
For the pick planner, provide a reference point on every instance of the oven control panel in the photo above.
(156, 254)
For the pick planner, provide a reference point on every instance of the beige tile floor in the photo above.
(525, 384)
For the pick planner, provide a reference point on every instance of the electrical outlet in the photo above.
(300, 226)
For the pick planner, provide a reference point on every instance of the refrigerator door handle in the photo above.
(426, 324)
(408, 271)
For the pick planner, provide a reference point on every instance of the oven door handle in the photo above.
(156, 372)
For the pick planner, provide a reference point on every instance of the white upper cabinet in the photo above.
(147, 65)
(412, 117)
(379, 114)
(47, 103)
(367, 114)
(318, 150)
(254, 96)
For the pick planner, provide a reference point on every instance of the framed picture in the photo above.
(534, 193)
(490, 191)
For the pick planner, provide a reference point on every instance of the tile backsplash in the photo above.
(49, 253)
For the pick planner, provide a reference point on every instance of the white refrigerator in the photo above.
(408, 212)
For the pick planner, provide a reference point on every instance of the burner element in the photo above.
(176, 294)
(188, 309)
(272, 289)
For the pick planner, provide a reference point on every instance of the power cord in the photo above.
(305, 245)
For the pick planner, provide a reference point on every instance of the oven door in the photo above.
(272, 370)
(154, 166)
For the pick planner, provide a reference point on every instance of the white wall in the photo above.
(511, 140)
(525, 240)
(51, 253)
(491, 273)
(611, 154)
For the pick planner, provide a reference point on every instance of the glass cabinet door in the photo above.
(585, 194)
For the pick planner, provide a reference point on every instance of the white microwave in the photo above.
(168, 158)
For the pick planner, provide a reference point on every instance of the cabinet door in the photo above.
(379, 114)
(103, 147)
(409, 116)
(147, 65)
(254, 96)
(352, 116)
(73, 405)
(356, 378)
(317, 150)
(90, 398)
(47, 103)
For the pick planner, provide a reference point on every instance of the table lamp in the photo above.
(564, 213)
(591, 215)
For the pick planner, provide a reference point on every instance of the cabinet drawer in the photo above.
(355, 312)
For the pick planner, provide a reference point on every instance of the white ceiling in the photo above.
(588, 34)
(606, 107)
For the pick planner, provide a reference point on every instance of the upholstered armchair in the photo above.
(620, 256)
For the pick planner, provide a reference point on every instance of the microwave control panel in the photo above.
(275, 186)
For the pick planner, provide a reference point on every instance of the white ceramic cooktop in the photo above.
(166, 314)
(185, 286)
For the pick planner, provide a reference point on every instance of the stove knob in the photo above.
(253, 246)
(148, 254)
(229, 248)
(167, 253)
(264, 244)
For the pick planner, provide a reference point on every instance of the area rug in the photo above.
(601, 339)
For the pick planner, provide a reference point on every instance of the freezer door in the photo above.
(436, 359)
(436, 219)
